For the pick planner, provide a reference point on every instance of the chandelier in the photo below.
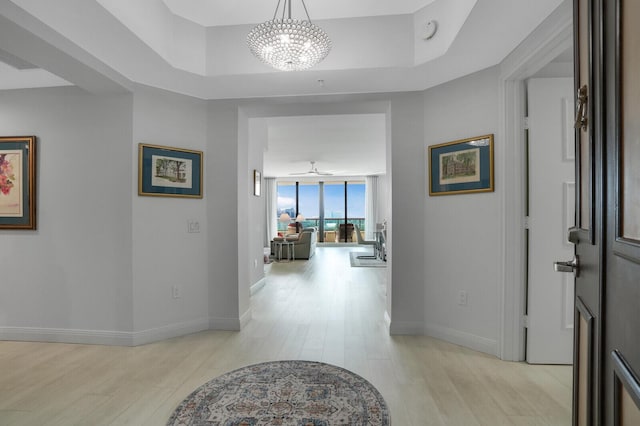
(289, 44)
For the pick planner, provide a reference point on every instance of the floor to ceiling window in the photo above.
(326, 205)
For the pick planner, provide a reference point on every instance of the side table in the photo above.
(290, 250)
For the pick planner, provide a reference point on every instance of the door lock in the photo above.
(570, 266)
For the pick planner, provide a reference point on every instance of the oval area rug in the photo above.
(283, 393)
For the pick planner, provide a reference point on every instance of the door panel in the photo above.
(583, 395)
(551, 212)
(587, 235)
(622, 275)
(608, 285)
(629, 67)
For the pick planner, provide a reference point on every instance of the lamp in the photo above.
(289, 44)
(299, 220)
(284, 217)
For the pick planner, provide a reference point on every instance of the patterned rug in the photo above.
(300, 393)
(375, 263)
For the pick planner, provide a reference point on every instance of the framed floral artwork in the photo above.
(169, 172)
(17, 182)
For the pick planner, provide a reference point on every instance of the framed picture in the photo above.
(169, 172)
(257, 182)
(18, 182)
(461, 166)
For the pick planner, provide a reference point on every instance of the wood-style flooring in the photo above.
(321, 310)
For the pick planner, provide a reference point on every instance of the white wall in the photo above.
(164, 253)
(406, 242)
(257, 144)
(462, 233)
(72, 276)
(223, 215)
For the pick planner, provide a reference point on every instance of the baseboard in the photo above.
(406, 327)
(468, 340)
(258, 286)
(65, 335)
(228, 324)
(100, 337)
(169, 331)
(245, 318)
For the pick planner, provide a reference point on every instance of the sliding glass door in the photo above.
(334, 207)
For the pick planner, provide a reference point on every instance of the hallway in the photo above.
(322, 310)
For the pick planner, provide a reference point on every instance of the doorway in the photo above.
(550, 212)
(546, 43)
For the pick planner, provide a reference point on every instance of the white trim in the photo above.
(258, 285)
(551, 38)
(102, 337)
(64, 335)
(245, 318)
(468, 340)
(387, 320)
(168, 331)
(229, 324)
(406, 327)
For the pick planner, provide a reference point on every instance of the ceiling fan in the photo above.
(313, 171)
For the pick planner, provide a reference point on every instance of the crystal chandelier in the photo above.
(289, 44)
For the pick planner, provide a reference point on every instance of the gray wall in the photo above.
(105, 259)
(462, 233)
(164, 253)
(75, 271)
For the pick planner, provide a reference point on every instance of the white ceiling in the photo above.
(198, 48)
(224, 12)
(344, 145)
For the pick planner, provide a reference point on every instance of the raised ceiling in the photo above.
(198, 47)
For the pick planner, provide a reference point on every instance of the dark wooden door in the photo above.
(607, 235)
(621, 354)
(588, 235)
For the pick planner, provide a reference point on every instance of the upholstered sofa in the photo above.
(304, 244)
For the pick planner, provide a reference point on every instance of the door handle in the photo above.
(581, 110)
(571, 266)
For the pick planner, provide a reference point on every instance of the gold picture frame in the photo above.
(18, 182)
(165, 171)
(461, 167)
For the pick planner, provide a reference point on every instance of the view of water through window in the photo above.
(334, 210)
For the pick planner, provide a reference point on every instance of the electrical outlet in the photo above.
(462, 298)
(175, 292)
(193, 226)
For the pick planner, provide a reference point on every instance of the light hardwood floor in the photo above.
(320, 310)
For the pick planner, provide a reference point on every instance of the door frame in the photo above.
(548, 40)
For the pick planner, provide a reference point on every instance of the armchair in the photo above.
(304, 243)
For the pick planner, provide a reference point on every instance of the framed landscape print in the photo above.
(169, 172)
(461, 166)
(18, 182)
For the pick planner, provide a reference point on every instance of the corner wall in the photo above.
(70, 280)
(165, 254)
(463, 239)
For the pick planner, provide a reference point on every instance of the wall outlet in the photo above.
(462, 298)
(175, 292)
(193, 226)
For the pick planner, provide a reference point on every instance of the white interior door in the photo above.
(551, 213)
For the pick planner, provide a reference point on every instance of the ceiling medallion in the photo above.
(289, 44)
